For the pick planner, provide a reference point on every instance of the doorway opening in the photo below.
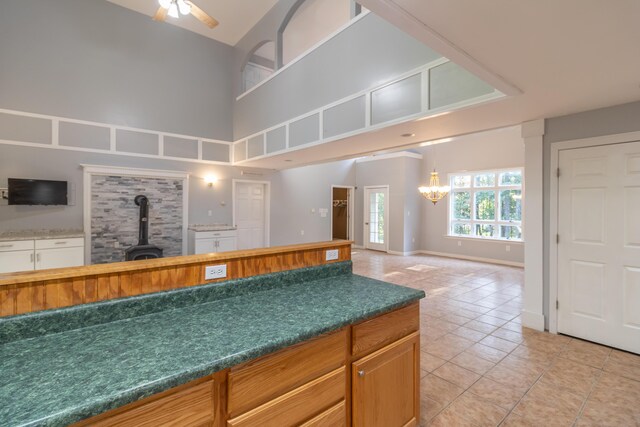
(342, 212)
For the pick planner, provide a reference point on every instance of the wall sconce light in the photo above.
(210, 180)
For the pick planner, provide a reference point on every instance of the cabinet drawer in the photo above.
(270, 376)
(59, 243)
(190, 407)
(16, 245)
(298, 405)
(382, 330)
(213, 234)
(333, 417)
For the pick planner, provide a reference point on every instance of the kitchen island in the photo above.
(311, 346)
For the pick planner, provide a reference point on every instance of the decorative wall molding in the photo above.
(425, 112)
(56, 143)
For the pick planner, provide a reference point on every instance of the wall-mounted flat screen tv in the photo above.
(37, 192)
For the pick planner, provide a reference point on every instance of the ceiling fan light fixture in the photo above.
(173, 10)
(184, 7)
(165, 3)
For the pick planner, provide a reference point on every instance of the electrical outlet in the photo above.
(413, 240)
(209, 213)
(459, 243)
(215, 272)
(302, 232)
(507, 248)
(116, 244)
(331, 255)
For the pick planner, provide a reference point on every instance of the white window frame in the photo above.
(496, 222)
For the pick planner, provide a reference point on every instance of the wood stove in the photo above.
(143, 250)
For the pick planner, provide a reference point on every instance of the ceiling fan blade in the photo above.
(202, 16)
(161, 14)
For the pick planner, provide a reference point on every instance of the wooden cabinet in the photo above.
(385, 385)
(365, 375)
(297, 406)
(24, 255)
(268, 377)
(186, 406)
(204, 242)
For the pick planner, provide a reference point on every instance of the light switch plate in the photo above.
(215, 272)
(331, 255)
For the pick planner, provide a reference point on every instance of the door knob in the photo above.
(366, 223)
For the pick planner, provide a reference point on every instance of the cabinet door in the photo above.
(59, 258)
(205, 246)
(226, 244)
(386, 385)
(16, 261)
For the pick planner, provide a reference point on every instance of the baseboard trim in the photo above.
(404, 253)
(533, 320)
(474, 258)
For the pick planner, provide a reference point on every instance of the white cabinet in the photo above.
(204, 242)
(16, 256)
(25, 255)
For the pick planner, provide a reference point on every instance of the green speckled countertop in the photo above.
(59, 378)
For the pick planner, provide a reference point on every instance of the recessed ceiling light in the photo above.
(408, 135)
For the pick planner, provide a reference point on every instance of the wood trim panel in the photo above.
(298, 405)
(264, 379)
(63, 287)
(375, 333)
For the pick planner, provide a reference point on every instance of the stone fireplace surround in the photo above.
(111, 216)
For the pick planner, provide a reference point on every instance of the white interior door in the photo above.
(249, 205)
(599, 244)
(376, 214)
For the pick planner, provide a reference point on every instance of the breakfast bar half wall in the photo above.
(56, 288)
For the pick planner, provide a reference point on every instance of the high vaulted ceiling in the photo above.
(552, 57)
(236, 17)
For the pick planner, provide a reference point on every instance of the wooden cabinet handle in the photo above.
(31, 257)
(61, 243)
(361, 373)
(6, 246)
(38, 257)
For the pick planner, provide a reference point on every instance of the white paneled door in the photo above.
(599, 244)
(376, 214)
(250, 209)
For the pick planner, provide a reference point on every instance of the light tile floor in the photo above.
(480, 367)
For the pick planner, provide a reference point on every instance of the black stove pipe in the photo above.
(143, 234)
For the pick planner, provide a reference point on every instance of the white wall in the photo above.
(398, 173)
(296, 192)
(503, 148)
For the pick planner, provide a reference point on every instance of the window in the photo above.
(259, 65)
(486, 204)
(309, 22)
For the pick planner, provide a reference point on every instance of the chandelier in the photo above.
(434, 192)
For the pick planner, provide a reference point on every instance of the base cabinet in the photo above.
(385, 385)
(322, 382)
(26, 255)
(204, 242)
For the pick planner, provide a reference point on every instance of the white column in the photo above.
(532, 311)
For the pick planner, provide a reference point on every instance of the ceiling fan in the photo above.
(175, 8)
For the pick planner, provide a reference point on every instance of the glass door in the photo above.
(375, 218)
